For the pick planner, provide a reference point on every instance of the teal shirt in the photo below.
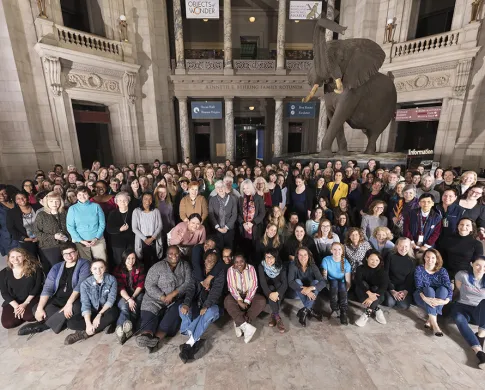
(85, 221)
(333, 268)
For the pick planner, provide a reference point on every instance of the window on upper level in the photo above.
(434, 17)
(83, 15)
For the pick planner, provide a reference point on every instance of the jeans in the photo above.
(125, 312)
(338, 295)
(463, 314)
(441, 293)
(197, 326)
(361, 292)
(391, 302)
(307, 302)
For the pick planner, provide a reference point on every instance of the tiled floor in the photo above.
(399, 355)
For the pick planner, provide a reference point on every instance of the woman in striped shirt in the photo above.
(243, 303)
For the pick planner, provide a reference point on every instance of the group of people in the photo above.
(153, 250)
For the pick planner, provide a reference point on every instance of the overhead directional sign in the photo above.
(300, 110)
(206, 110)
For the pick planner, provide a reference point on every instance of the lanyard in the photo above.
(421, 224)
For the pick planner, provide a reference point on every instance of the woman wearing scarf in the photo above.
(223, 215)
(251, 212)
(274, 283)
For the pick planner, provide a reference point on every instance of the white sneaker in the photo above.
(238, 330)
(362, 320)
(380, 317)
(249, 332)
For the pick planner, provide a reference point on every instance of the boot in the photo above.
(35, 327)
(75, 337)
(481, 359)
(344, 320)
(303, 315)
(316, 315)
(185, 352)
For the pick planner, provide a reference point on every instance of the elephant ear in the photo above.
(366, 60)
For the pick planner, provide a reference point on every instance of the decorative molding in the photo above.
(423, 81)
(462, 75)
(129, 82)
(299, 65)
(52, 70)
(95, 69)
(93, 82)
(203, 66)
(255, 65)
(424, 69)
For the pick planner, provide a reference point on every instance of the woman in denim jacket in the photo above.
(98, 296)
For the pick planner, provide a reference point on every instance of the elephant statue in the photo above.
(354, 90)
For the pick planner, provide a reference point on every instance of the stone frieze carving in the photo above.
(52, 70)
(94, 82)
(129, 81)
(423, 81)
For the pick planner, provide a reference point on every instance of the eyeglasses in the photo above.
(69, 254)
(476, 193)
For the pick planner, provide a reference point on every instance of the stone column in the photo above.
(322, 124)
(227, 38)
(280, 45)
(229, 128)
(278, 127)
(184, 127)
(179, 37)
(331, 16)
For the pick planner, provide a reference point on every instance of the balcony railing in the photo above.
(89, 43)
(254, 66)
(298, 66)
(204, 66)
(428, 45)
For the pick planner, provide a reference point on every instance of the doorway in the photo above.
(295, 137)
(93, 133)
(249, 138)
(202, 141)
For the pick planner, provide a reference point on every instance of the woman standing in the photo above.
(300, 199)
(20, 223)
(427, 185)
(251, 212)
(356, 247)
(468, 180)
(371, 282)
(341, 226)
(325, 238)
(105, 200)
(29, 188)
(338, 189)
(50, 228)
(119, 228)
(193, 203)
(299, 239)
(433, 288)
(305, 279)
(474, 209)
(323, 204)
(273, 282)
(284, 191)
(209, 179)
(274, 190)
(6, 240)
(98, 309)
(147, 226)
(470, 306)
(311, 226)
(163, 201)
(403, 207)
(270, 240)
(374, 218)
(263, 191)
(277, 218)
(20, 285)
(321, 191)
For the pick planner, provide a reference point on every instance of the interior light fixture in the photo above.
(252, 19)
(251, 108)
(297, 21)
(205, 20)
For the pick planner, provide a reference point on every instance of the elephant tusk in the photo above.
(340, 87)
(311, 94)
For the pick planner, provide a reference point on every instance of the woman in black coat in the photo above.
(20, 223)
(250, 215)
(299, 239)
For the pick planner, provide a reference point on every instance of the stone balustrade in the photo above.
(204, 66)
(428, 45)
(298, 66)
(254, 66)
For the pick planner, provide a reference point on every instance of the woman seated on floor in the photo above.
(130, 276)
(273, 282)
(371, 282)
(433, 288)
(20, 285)
(470, 306)
(305, 279)
(98, 309)
(242, 303)
(165, 286)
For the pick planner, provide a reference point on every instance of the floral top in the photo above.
(440, 278)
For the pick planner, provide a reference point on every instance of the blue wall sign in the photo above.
(300, 110)
(206, 110)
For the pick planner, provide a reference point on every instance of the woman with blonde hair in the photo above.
(20, 286)
(325, 238)
(262, 190)
(171, 184)
(467, 180)
(276, 217)
(381, 240)
(270, 240)
(51, 230)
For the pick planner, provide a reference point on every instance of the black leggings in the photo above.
(109, 317)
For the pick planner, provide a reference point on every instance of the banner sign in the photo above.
(202, 9)
(206, 110)
(300, 110)
(420, 157)
(418, 114)
(301, 10)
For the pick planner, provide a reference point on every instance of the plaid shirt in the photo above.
(137, 276)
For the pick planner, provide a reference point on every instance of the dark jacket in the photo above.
(259, 214)
(113, 224)
(431, 229)
(198, 264)
(377, 277)
(230, 207)
(452, 216)
(280, 283)
(15, 224)
(292, 244)
(203, 298)
(46, 226)
(311, 274)
(401, 272)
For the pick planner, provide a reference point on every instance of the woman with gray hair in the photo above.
(223, 216)
(51, 230)
(251, 213)
(402, 208)
(427, 185)
(119, 228)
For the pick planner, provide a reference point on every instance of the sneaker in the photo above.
(199, 349)
(75, 337)
(120, 335)
(128, 328)
(280, 325)
(362, 320)
(248, 331)
(272, 321)
(147, 340)
(481, 360)
(380, 317)
(238, 330)
(35, 327)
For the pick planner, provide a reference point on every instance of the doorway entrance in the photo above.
(93, 128)
(202, 141)
(295, 137)
(249, 138)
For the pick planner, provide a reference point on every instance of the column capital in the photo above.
(182, 98)
(228, 98)
(279, 98)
